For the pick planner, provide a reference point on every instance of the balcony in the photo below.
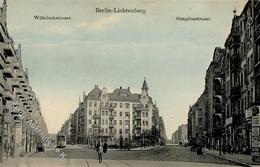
(139, 108)
(96, 126)
(1, 91)
(111, 125)
(8, 95)
(235, 92)
(96, 116)
(257, 7)
(219, 91)
(111, 134)
(217, 106)
(18, 91)
(229, 121)
(2, 63)
(257, 33)
(138, 126)
(20, 74)
(111, 116)
(138, 116)
(13, 82)
(17, 119)
(8, 71)
(108, 107)
(8, 48)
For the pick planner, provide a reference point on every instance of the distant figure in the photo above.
(105, 147)
(199, 150)
(7, 148)
(99, 151)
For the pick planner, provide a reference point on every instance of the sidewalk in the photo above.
(49, 162)
(147, 148)
(241, 159)
(20, 161)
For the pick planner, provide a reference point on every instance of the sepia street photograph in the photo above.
(129, 83)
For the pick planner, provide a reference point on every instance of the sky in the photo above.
(115, 49)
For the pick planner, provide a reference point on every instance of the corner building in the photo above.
(118, 115)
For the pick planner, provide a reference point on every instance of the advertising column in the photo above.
(255, 134)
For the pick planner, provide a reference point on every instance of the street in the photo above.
(162, 156)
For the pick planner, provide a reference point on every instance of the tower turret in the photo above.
(145, 87)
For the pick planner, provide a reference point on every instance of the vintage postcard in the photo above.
(129, 83)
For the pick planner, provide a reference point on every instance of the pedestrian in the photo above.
(199, 150)
(6, 147)
(105, 147)
(224, 149)
(99, 151)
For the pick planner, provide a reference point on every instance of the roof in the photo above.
(123, 95)
(145, 87)
(94, 94)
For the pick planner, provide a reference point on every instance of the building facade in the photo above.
(117, 117)
(15, 91)
(180, 136)
(197, 120)
(232, 86)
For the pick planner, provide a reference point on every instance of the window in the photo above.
(103, 112)
(106, 113)
(95, 104)
(127, 131)
(106, 130)
(90, 104)
(90, 112)
(127, 115)
(200, 121)
(120, 105)
(120, 122)
(115, 122)
(120, 131)
(127, 105)
(89, 121)
(120, 114)
(102, 121)
(106, 121)
(146, 114)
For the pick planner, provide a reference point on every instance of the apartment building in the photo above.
(116, 117)
(15, 91)
(232, 86)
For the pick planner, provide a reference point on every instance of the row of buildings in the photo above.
(119, 117)
(180, 136)
(15, 91)
(227, 112)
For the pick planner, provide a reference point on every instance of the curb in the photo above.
(230, 160)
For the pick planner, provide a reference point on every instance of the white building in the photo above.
(118, 114)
